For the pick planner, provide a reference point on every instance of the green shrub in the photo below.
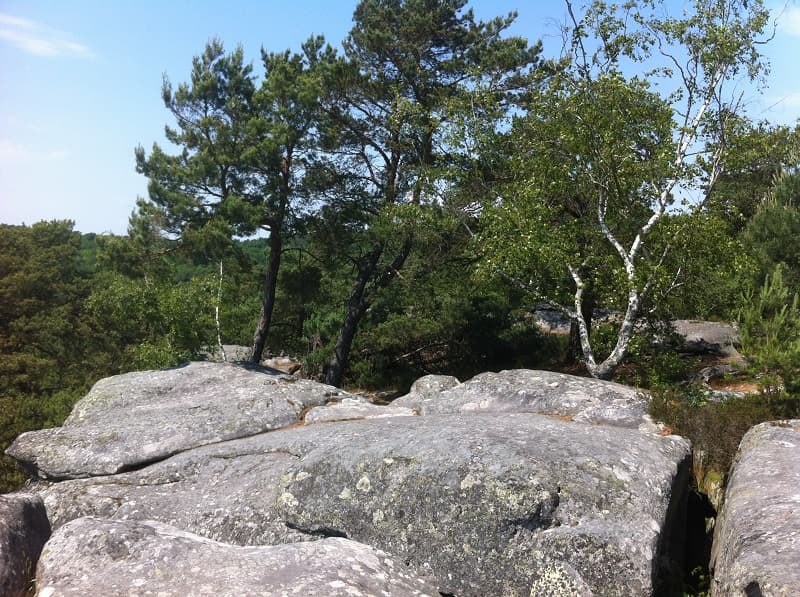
(770, 331)
(718, 427)
(20, 413)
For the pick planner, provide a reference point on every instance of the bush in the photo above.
(718, 427)
(770, 330)
(20, 413)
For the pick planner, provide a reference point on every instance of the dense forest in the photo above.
(398, 207)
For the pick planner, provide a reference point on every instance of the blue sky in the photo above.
(80, 85)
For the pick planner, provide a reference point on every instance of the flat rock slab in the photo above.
(354, 408)
(23, 531)
(544, 392)
(129, 420)
(756, 547)
(90, 556)
(486, 505)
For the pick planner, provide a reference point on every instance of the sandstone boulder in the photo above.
(130, 420)
(524, 391)
(111, 558)
(23, 531)
(756, 547)
(484, 505)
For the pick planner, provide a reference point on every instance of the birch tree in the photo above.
(614, 145)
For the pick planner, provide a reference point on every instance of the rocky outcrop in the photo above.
(130, 420)
(90, 556)
(757, 536)
(484, 504)
(544, 392)
(509, 484)
(23, 531)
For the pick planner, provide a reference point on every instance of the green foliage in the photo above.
(717, 427)
(654, 360)
(703, 273)
(772, 236)
(48, 356)
(154, 323)
(755, 153)
(770, 328)
(409, 69)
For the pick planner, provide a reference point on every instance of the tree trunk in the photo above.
(270, 286)
(357, 305)
(606, 369)
(574, 350)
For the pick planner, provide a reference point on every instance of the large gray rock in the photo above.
(354, 408)
(715, 337)
(495, 504)
(756, 547)
(111, 558)
(130, 420)
(524, 391)
(23, 531)
(427, 386)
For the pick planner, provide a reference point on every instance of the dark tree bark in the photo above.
(358, 303)
(268, 302)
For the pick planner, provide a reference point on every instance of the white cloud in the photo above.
(11, 151)
(39, 40)
(789, 20)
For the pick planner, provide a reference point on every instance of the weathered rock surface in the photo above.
(233, 353)
(485, 505)
(129, 420)
(424, 388)
(23, 531)
(544, 392)
(756, 547)
(354, 408)
(100, 557)
(714, 337)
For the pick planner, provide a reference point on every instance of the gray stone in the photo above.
(554, 321)
(354, 408)
(226, 492)
(233, 353)
(23, 531)
(285, 364)
(425, 387)
(485, 505)
(112, 558)
(756, 547)
(129, 420)
(524, 391)
(703, 337)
